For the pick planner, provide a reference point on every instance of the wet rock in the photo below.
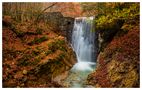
(106, 33)
(61, 77)
(62, 25)
(55, 69)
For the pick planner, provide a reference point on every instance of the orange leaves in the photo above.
(69, 9)
(121, 49)
(124, 47)
(100, 77)
(18, 75)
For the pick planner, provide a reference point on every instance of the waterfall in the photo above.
(83, 36)
(84, 40)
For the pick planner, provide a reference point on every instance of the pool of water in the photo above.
(78, 75)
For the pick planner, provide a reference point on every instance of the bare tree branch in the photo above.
(44, 11)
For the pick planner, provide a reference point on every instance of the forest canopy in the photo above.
(107, 13)
(25, 11)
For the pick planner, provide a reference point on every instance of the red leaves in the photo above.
(126, 46)
(69, 9)
(18, 75)
(101, 77)
(120, 49)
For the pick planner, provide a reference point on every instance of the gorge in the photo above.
(83, 40)
(71, 45)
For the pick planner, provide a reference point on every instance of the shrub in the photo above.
(127, 12)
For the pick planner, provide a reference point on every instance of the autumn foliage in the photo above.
(35, 53)
(126, 47)
(69, 9)
(118, 58)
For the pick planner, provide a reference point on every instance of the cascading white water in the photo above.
(83, 43)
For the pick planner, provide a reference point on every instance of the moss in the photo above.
(35, 52)
(48, 52)
(39, 30)
(19, 33)
(35, 62)
(40, 49)
(63, 49)
(38, 40)
(61, 56)
(58, 44)
(25, 60)
(52, 47)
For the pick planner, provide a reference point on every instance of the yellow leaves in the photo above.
(130, 79)
(127, 27)
(105, 21)
(123, 73)
(101, 20)
(24, 72)
(126, 13)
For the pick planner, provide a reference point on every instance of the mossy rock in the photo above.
(108, 31)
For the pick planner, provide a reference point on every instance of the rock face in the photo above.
(62, 25)
(118, 65)
(55, 69)
(103, 36)
(106, 34)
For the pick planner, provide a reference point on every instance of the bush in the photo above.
(127, 12)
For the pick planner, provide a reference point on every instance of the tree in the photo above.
(21, 11)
